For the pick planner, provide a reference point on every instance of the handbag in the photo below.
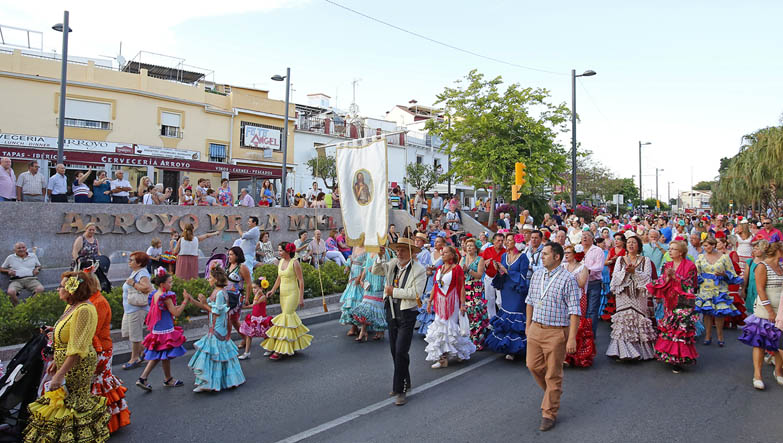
(233, 299)
(136, 297)
(464, 325)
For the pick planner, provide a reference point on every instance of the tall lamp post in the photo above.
(587, 73)
(284, 141)
(65, 29)
(641, 195)
(656, 182)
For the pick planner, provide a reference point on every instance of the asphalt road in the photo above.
(490, 399)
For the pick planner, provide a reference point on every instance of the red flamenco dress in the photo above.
(105, 383)
(734, 291)
(677, 329)
(611, 306)
(585, 343)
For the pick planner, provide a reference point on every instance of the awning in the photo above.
(92, 158)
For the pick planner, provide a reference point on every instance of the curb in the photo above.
(333, 314)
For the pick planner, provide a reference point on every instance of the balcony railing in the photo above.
(170, 131)
(337, 127)
(88, 124)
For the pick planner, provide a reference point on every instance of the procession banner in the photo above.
(362, 174)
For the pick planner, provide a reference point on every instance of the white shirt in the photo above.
(31, 184)
(249, 241)
(23, 267)
(117, 183)
(58, 184)
(189, 247)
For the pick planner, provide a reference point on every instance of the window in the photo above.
(436, 164)
(419, 159)
(170, 124)
(87, 114)
(217, 152)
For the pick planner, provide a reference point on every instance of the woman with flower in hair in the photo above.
(256, 323)
(715, 273)
(72, 414)
(164, 342)
(288, 334)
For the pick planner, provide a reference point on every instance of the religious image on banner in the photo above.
(362, 169)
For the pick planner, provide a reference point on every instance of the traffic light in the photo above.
(515, 192)
(519, 174)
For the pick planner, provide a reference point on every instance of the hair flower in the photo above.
(72, 284)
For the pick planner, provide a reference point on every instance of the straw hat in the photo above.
(405, 243)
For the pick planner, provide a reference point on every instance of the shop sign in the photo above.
(37, 141)
(262, 138)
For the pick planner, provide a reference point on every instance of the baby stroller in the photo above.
(19, 387)
(219, 259)
(103, 268)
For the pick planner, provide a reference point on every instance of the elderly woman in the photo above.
(265, 252)
(101, 189)
(677, 329)
(713, 300)
(632, 334)
(72, 413)
(333, 250)
(135, 305)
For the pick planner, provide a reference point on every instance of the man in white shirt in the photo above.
(533, 253)
(249, 240)
(22, 268)
(58, 186)
(31, 185)
(245, 199)
(436, 205)
(312, 193)
(7, 181)
(120, 188)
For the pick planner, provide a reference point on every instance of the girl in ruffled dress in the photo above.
(354, 290)
(215, 362)
(165, 340)
(369, 315)
(256, 323)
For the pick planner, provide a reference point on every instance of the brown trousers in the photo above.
(546, 349)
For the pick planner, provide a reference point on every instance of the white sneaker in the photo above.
(437, 365)
(244, 356)
(267, 353)
(758, 384)
(779, 379)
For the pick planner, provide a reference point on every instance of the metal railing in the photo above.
(171, 131)
(87, 124)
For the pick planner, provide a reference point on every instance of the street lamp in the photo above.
(656, 182)
(641, 196)
(588, 73)
(284, 140)
(62, 27)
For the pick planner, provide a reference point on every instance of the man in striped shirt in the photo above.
(551, 324)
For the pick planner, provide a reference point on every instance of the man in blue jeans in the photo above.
(594, 262)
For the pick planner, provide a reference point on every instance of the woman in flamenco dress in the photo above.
(585, 344)
(677, 329)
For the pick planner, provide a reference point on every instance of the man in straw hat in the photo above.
(405, 280)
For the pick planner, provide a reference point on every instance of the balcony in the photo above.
(87, 124)
(334, 126)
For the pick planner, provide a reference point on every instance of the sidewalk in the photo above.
(312, 313)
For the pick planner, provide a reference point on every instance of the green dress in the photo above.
(750, 299)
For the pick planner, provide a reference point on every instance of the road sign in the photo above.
(617, 199)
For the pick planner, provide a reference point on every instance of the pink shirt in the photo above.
(594, 262)
(7, 183)
(247, 200)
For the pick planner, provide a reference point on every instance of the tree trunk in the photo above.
(492, 205)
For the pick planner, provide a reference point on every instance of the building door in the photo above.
(171, 180)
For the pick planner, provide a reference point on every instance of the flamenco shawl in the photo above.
(154, 315)
(671, 290)
(444, 303)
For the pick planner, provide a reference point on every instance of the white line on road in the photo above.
(383, 403)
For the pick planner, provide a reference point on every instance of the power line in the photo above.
(438, 42)
(590, 97)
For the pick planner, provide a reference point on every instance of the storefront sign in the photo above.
(35, 141)
(73, 158)
(262, 138)
(166, 223)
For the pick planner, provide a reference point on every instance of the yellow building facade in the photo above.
(145, 126)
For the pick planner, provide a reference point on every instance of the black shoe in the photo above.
(546, 424)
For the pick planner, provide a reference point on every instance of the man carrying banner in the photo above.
(405, 279)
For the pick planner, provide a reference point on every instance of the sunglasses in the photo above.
(766, 223)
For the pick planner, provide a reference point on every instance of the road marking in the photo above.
(383, 403)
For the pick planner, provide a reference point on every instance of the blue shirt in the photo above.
(127, 307)
(98, 195)
(58, 184)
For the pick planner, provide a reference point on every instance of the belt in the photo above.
(34, 195)
(549, 327)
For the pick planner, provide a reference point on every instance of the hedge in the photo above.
(18, 324)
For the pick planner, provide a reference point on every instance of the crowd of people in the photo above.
(528, 291)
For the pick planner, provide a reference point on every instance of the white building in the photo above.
(698, 201)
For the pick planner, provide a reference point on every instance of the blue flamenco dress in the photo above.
(508, 326)
(215, 362)
(370, 311)
(354, 292)
(425, 318)
(166, 340)
(713, 297)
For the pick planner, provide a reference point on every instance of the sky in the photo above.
(691, 77)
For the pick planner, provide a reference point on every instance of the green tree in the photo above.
(623, 186)
(488, 130)
(325, 168)
(423, 177)
(703, 186)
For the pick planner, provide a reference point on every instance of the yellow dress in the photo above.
(72, 414)
(288, 333)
